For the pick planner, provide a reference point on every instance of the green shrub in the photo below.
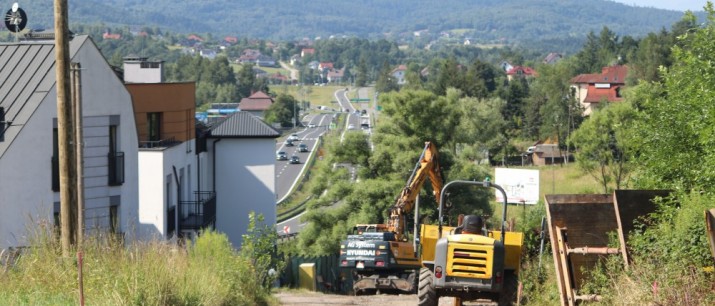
(209, 272)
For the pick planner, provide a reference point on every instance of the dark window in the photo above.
(55, 161)
(3, 124)
(115, 159)
(149, 65)
(154, 123)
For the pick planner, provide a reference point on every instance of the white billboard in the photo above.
(521, 185)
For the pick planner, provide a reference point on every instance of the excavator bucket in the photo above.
(710, 221)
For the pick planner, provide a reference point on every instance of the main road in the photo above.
(288, 175)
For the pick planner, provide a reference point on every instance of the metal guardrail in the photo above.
(282, 217)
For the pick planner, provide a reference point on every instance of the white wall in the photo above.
(245, 181)
(104, 94)
(155, 167)
(26, 197)
(134, 73)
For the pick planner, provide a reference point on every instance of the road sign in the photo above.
(286, 229)
(520, 185)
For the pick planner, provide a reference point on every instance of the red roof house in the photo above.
(594, 88)
(520, 72)
(306, 51)
(256, 104)
(108, 35)
(325, 65)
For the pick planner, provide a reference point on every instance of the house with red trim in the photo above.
(108, 35)
(256, 104)
(325, 66)
(195, 38)
(592, 89)
(520, 72)
(307, 51)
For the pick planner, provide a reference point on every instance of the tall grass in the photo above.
(209, 272)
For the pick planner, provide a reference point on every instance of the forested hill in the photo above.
(509, 21)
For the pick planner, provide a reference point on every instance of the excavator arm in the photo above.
(427, 165)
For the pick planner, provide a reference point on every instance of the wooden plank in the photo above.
(565, 268)
(710, 221)
(555, 250)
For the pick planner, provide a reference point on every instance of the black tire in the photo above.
(412, 279)
(426, 294)
(511, 286)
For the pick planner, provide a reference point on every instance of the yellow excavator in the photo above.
(379, 255)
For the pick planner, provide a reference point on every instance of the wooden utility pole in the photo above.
(79, 146)
(64, 129)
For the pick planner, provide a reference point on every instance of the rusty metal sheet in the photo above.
(588, 220)
(710, 221)
(629, 206)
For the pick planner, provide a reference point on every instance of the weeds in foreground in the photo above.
(209, 272)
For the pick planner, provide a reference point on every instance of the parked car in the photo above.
(302, 147)
(351, 126)
(294, 160)
(288, 143)
(293, 137)
(281, 155)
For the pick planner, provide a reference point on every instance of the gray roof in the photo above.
(243, 125)
(27, 71)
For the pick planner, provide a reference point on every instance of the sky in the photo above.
(678, 5)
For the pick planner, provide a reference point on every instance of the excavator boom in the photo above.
(427, 165)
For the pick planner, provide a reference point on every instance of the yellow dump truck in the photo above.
(468, 261)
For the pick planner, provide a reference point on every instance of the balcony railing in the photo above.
(116, 168)
(199, 213)
(164, 143)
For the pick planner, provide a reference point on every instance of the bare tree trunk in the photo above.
(65, 129)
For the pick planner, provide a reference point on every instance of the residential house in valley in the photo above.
(336, 75)
(256, 104)
(592, 89)
(552, 58)
(399, 74)
(520, 72)
(29, 167)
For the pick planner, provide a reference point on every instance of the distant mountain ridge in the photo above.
(481, 20)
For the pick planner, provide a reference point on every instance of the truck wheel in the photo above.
(426, 295)
(412, 279)
(511, 286)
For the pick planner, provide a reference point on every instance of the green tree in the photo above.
(677, 127)
(385, 81)
(281, 111)
(246, 79)
(361, 75)
(604, 147)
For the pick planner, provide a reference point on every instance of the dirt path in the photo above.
(302, 298)
(293, 71)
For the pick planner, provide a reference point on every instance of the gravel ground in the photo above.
(302, 298)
